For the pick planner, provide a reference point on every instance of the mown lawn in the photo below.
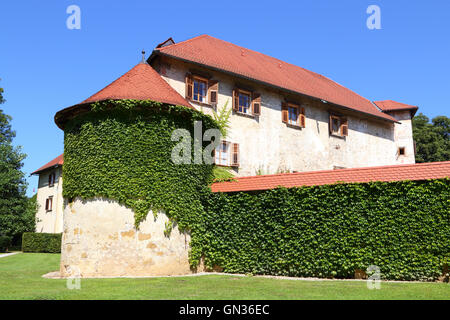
(20, 278)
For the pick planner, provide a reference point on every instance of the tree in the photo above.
(432, 139)
(15, 207)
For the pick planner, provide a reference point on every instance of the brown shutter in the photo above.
(330, 124)
(301, 117)
(213, 91)
(46, 204)
(284, 112)
(256, 104)
(50, 205)
(235, 155)
(344, 127)
(236, 99)
(189, 86)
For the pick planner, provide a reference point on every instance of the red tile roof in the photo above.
(422, 171)
(58, 161)
(212, 52)
(390, 105)
(140, 83)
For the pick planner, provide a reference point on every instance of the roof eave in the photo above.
(158, 52)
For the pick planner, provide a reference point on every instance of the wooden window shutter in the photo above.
(301, 117)
(46, 204)
(189, 86)
(213, 91)
(256, 104)
(50, 203)
(344, 127)
(330, 124)
(284, 112)
(235, 155)
(236, 99)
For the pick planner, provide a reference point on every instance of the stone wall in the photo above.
(99, 240)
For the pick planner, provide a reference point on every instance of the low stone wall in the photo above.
(100, 239)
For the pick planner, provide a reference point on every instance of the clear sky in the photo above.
(45, 67)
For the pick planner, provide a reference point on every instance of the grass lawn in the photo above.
(20, 278)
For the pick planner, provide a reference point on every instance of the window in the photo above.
(49, 203)
(338, 126)
(401, 151)
(51, 179)
(246, 102)
(293, 114)
(227, 154)
(201, 90)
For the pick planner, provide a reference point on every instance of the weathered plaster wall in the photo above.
(404, 137)
(99, 239)
(50, 221)
(269, 146)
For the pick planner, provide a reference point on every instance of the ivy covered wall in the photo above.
(121, 150)
(331, 231)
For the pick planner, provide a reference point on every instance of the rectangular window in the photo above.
(51, 179)
(338, 126)
(200, 87)
(227, 154)
(293, 116)
(49, 204)
(244, 102)
(222, 154)
(401, 151)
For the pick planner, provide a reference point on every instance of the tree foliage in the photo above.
(15, 214)
(432, 139)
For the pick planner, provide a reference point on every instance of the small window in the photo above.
(51, 179)
(200, 87)
(338, 126)
(49, 204)
(244, 102)
(293, 114)
(401, 151)
(227, 154)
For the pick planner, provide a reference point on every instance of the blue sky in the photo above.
(45, 67)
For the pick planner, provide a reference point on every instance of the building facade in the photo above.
(49, 217)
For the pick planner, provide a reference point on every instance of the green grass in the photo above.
(20, 278)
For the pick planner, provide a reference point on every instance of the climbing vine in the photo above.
(121, 150)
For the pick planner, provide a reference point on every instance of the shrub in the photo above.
(41, 242)
(5, 242)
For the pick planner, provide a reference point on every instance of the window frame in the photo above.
(231, 154)
(49, 204)
(249, 107)
(401, 151)
(205, 81)
(342, 121)
(51, 179)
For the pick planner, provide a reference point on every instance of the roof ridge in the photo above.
(182, 42)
